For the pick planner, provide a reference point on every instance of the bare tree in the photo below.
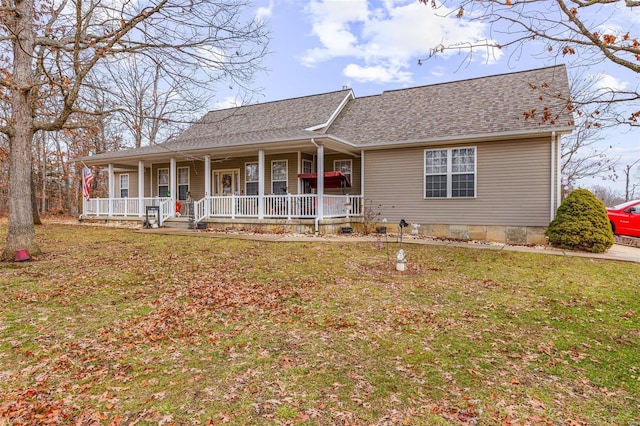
(630, 186)
(154, 105)
(608, 196)
(582, 154)
(576, 29)
(50, 50)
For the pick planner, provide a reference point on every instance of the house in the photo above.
(476, 159)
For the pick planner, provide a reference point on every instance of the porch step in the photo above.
(177, 222)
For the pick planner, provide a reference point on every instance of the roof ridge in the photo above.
(470, 79)
(280, 100)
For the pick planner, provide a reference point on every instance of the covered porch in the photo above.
(226, 188)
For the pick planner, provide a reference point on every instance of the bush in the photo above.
(581, 223)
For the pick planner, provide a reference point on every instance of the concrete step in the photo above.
(177, 222)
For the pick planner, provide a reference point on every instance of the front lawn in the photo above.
(114, 327)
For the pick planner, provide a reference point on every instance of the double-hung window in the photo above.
(279, 177)
(307, 166)
(163, 182)
(343, 166)
(124, 186)
(183, 182)
(251, 178)
(450, 173)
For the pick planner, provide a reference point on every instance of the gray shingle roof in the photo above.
(480, 106)
(285, 117)
(257, 123)
(460, 109)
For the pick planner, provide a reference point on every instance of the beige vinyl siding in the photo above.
(292, 171)
(147, 182)
(133, 184)
(196, 173)
(355, 172)
(238, 163)
(154, 176)
(512, 186)
(196, 177)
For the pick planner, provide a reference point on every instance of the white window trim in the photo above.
(335, 162)
(310, 163)
(246, 180)
(188, 184)
(122, 186)
(449, 173)
(158, 176)
(286, 179)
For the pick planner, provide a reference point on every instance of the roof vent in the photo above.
(345, 87)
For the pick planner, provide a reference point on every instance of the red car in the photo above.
(625, 218)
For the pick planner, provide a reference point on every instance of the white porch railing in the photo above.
(288, 206)
(128, 207)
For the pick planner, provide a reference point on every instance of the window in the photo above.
(124, 186)
(163, 182)
(450, 173)
(343, 166)
(251, 178)
(183, 182)
(279, 177)
(307, 166)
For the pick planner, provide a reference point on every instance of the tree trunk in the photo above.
(21, 232)
(34, 202)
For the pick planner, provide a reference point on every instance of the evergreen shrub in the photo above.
(581, 223)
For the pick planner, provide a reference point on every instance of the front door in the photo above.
(227, 182)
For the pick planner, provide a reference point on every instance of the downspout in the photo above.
(559, 178)
(553, 176)
(362, 177)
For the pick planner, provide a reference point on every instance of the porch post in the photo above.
(362, 173)
(112, 191)
(207, 183)
(173, 186)
(261, 184)
(320, 182)
(299, 191)
(141, 188)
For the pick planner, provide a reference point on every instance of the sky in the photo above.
(319, 46)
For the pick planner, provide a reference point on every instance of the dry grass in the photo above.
(114, 327)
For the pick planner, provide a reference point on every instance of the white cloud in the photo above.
(608, 82)
(228, 102)
(376, 74)
(264, 12)
(384, 39)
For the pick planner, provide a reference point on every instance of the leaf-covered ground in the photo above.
(114, 327)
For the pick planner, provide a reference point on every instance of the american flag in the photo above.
(87, 178)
